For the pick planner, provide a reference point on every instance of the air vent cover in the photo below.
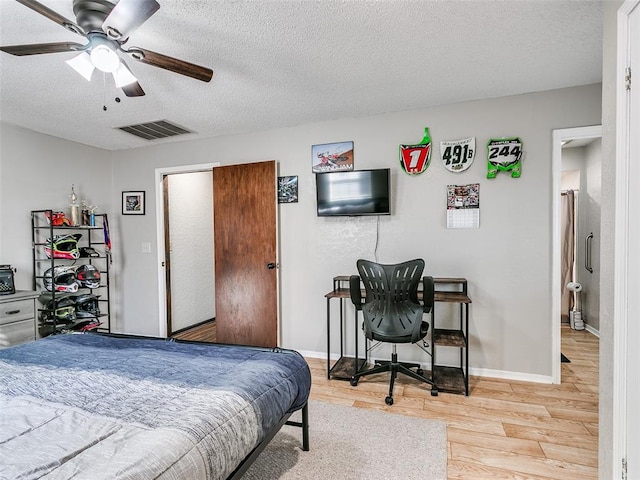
(155, 130)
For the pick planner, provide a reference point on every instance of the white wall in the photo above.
(591, 203)
(507, 260)
(607, 244)
(191, 249)
(36, 173)
(586, 162)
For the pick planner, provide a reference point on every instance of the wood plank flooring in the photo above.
(205, 332)
(504, 429)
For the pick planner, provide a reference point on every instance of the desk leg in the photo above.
(328, 339)
(466, 352)
(341, 329)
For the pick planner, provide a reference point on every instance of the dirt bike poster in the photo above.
(288, 189)
(332, 157)
(415, 159)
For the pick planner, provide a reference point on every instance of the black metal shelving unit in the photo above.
(452, 379)
(92, 236)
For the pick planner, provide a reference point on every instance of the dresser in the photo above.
(18, 318)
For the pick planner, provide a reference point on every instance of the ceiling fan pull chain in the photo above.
(104, 91)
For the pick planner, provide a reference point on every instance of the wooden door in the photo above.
(244, 220)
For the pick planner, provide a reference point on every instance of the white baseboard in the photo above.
(476, 372)
(591, 330)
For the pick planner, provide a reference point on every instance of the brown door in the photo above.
(244, 225)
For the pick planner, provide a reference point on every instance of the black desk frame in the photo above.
(448, 379)
(345, 367)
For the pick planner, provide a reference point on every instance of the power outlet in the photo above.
(146, 247)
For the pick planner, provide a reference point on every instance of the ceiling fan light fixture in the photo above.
(123, 76)
(104, 58)
(82, 64)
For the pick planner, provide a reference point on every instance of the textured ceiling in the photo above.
(281, 63)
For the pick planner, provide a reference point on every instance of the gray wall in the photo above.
(36, 173)
(507, 260)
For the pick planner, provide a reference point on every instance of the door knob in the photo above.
(271, 265)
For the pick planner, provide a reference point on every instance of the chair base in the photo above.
(395, 367)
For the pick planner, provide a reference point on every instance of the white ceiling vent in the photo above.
(155, 130)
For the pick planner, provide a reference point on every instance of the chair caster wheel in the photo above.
(434, 392)
(388, 400)
(353, 382)
(420, 372)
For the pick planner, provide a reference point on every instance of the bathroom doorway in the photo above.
(583, 139)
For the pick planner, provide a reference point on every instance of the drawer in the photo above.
(17, 310)
(17, 332)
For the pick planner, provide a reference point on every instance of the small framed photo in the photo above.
(288, 189)
(332, 157)
(133, 203)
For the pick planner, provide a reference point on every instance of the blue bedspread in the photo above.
(93, 406)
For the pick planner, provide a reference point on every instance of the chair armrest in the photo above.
(355, 292)
(428, 294)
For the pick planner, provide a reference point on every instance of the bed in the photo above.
(91, 406)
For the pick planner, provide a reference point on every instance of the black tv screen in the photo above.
(353, 192)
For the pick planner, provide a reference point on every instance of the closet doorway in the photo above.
(576, 233)
(244, 285)
(189, 260)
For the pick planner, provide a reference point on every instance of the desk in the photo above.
(345, 367)
(447, 378)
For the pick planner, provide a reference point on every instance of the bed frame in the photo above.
(249, 459)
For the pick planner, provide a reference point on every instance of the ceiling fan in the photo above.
(107, 27)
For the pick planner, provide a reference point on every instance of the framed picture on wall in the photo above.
(330, 157)
(288, 189)
(133, 203)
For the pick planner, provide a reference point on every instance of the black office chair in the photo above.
(392, 313)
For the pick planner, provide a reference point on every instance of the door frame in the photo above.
(626, 279)
(160, 173)
(560, 136)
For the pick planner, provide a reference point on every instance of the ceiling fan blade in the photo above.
(42, 48)
(133, 90)
(127, 15)
(52, 15)
(170, 63)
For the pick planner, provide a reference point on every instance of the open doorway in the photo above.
(189, 262)
(245, 275)
(576, 154)
(178, 217)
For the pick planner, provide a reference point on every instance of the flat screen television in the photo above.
(353, 193)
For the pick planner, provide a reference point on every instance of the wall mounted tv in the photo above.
(353, 193)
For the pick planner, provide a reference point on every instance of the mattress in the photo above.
(100, 407)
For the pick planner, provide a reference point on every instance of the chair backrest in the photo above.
(391, 309)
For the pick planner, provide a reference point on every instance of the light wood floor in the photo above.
(504, 429)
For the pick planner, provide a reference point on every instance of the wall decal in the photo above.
(504, 155)
(415, 159)
(458, 155)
